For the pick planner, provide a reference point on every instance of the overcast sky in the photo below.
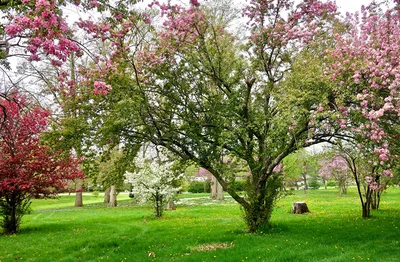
(350, 5)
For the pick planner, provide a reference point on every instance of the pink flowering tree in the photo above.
(370, 177)
(364, 63)
(336, 168)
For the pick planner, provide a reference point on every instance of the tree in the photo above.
(299, 164)
(153, 180)
(206, 96)
(28, 168)
(364, 62)
(336, 168)
(111, 175)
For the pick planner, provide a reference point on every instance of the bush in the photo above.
(314, 184)
(199, 187)
(331, 183)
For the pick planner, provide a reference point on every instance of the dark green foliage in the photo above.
(12, 213)
(238, 185)
(199, 187)
(331, 183)
(314, 184)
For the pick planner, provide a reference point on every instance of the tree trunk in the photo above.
(113, 196)
(376, 199)
(107, 196)
(305, 183)
(259, 210)
(365, 211)
(217, 192)
(220, 192)
(79, 190)
(158, 205)
(366, 207)
(213, 191)
(13, 208)
(300, 208)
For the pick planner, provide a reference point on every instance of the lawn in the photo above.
(204, 230)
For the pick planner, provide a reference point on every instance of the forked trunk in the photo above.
(258, 213)
(376, 199)
(366, 207)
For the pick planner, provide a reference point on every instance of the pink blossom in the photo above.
(101, 88)
(195, 2)
(387, 173)
(368, 179)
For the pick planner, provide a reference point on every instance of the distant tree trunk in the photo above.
(217, 192)
(305, 183)
(220, 192)
(325, 182)
(213, 191)
(107, 195)
(113, 196)
(79, 190)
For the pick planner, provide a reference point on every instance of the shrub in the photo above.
(331, 183)
(314, 184)
(199, 187)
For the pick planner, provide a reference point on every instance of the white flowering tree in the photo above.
(154, 181)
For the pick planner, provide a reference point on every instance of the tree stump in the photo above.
(171, 205)
(300, 208)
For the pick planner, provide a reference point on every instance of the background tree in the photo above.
(154, 180)
(336, 168)
(111, 174)
(28, 168)
(299, 166)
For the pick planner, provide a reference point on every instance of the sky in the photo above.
(350, 5)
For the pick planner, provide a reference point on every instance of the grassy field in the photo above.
(204, 230)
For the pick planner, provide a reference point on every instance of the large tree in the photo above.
(206, 95)
(28, 168)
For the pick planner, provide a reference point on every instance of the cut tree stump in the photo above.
(300, 208)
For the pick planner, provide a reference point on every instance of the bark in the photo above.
(376, 199)
(217, 192)
(113, 196)
(158, 205)
(107, 196)
(79, 190)
(213, 191)
(366, 207)
(220, 192)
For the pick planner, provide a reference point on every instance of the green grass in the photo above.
(334, 231)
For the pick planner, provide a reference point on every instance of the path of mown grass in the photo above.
(334, 231)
